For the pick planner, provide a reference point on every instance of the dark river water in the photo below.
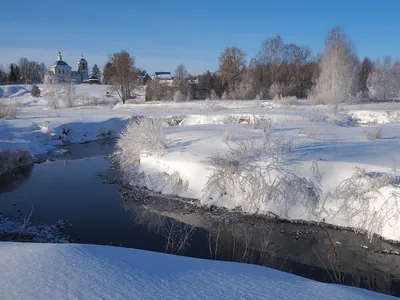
(70, 187)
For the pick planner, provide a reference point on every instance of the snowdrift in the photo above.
(68, 271)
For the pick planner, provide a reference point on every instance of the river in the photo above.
(70, 186)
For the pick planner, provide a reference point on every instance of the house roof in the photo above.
(162, 73)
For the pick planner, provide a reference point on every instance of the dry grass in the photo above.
(373, 134)
(8, 111)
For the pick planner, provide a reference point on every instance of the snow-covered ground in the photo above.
(323, 150)
(67, 271)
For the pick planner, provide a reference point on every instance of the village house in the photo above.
(164, 77)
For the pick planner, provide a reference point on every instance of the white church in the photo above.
(60, 71)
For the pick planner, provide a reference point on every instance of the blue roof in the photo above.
(162, 73)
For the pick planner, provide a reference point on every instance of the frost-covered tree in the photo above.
(275, 90)
(382, 82)
(338, 65)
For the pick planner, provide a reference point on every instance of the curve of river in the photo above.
(70, 186)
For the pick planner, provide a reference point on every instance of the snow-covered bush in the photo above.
(214, 95)
(7, 110)
(51, 94)
(373, 133)
(140, 136)
(275, 90)
(179, 97)
(68, 95)
(227, 137)
(254, 172)
(225, 96)
(369, 201)
(11, 159)
(287, 101)
(214, 106)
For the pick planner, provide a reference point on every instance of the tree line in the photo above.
(25, 71)
(279, 70)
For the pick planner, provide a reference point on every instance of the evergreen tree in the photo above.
(96, 71)
(12, 77)
(366, 69)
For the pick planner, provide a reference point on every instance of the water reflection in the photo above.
(15, 179)
(318, 253)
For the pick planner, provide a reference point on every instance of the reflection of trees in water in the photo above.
(177, 235)
(265, 244)
(15, 179)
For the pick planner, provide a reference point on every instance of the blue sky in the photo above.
(162, 34)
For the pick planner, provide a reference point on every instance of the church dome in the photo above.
(60, 63)
(82, 59)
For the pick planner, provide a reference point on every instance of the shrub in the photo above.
(227, 137)
(255, 172)
(373, 133)
(7, 111)
(35, 92)
(287, 101)
(360, 200)
(51, 94)
(225, 96)
(179, 97)
(140, 136)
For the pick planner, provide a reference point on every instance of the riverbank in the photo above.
(103, 212)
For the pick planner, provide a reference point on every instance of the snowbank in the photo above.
(66, 271)
(323, 157)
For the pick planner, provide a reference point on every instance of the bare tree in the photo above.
(231, 66)
(180, 79)
(123, 76)
(272, 54)
(338, 66)
(381, 82)
(31, 71)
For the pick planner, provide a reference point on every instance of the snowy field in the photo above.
(66, 271)
(297, 162)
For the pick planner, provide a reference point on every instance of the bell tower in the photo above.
(83, 69)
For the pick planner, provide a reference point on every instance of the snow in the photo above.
(67, 271)
(332, 141)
